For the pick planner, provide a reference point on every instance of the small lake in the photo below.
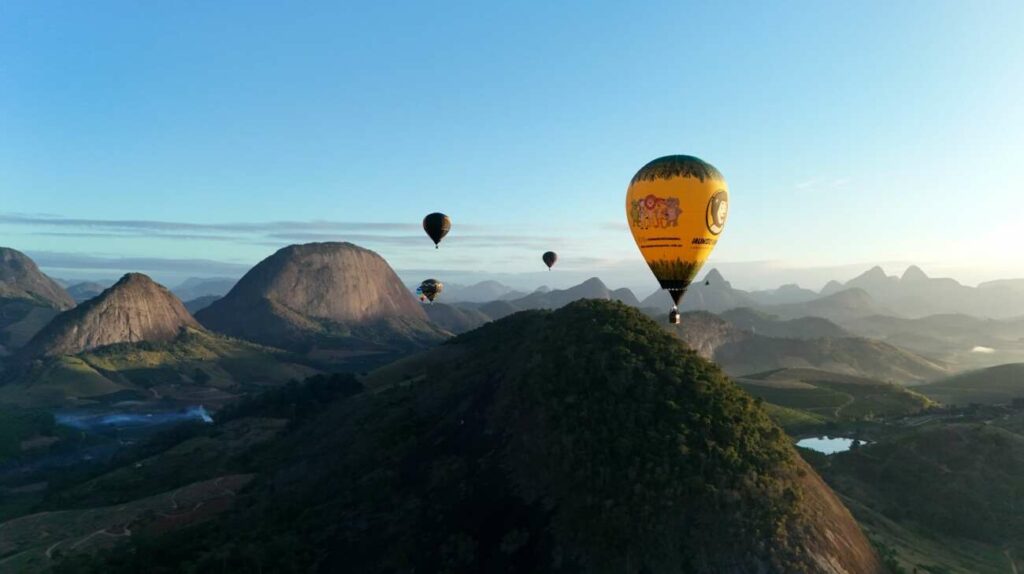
(828, 445)
(93, 420)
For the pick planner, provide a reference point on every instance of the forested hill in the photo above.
(580, 440)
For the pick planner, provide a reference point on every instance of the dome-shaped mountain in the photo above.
(323, 296)
(135, 309)
(20, 278)
(581, 440)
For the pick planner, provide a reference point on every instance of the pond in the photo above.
(828, 445)
(93, 420)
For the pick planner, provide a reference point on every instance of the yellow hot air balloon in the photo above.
(676, 207)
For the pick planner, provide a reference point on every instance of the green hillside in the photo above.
(833, 396)
(198, 367)
(994, 385)
(944, 497)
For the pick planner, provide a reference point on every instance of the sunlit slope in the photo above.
(197, 366)
(833, 396)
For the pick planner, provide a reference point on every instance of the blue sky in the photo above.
(195, 138)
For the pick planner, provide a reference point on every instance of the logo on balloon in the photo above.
(718, 211)
(654, 212)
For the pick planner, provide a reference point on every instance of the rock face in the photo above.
(20, 278)
(304, 294)
(135, 309)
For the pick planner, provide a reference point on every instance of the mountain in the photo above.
(742, 353)
(481, 292)
(712, 293)
(497, 309)
(962, 340)
(86, 290)
(762, 323)
(20, 278)
(579, 440)
(137, 341)
(845, 305)
(336, 302)
(135, 309)
(196, 287)
(846, 355)
(789, 293)
(28, 300)
(873, 280)
(831, 288)
(454, 318)
(198, 304)
(915, 294)
(995, 385)
(592, 288)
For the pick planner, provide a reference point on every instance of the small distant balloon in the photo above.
(550, 258)
(429, 290)
(437, 225)
(676, 207)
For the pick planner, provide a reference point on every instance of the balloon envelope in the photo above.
(550, 258)
(430, 289)
(676, 207)
(437, 226)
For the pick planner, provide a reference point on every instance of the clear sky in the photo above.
(195, 138)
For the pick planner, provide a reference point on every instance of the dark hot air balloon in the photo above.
(437, 226)
(550, 258)
(676, 207)
(429, 289)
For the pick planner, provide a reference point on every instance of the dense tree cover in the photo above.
(959, 480)
(295, 401)
(581, 440)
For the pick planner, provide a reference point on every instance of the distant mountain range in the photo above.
(743, 352)
(481, 292)
(196, 287)
(337, 304)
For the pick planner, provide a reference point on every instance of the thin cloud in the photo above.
(80, 262)
(262, 227)
(129, 235)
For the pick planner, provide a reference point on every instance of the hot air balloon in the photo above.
(437, 226)
(550, 258)
(429, 289)
(676, 207)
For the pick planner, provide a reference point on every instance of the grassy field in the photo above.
(33, 543)
(991, 386)
(196, 367)
(826, 396)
